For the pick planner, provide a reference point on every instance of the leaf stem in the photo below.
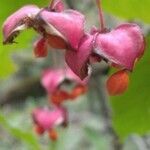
(101, 18)
(51, 3)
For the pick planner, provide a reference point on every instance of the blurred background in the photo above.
(97, 121)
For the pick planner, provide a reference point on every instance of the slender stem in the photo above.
(101, 18)
(51, 3)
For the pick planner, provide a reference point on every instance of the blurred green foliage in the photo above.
(78, 135)
(100, 141)
(128, 9)
(131, 111)
(25, 136)
(6, 65)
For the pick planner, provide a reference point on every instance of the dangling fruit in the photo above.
(118, 83)
(78, 90)
(53, 135)
(59, 96)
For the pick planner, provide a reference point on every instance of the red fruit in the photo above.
(40, 48)
(118, 83)
(39, 130)
(53, 134)
(59, 96)
(78, 90)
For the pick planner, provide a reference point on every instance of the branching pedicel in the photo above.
(64, 30)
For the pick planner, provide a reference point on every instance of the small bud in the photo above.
(118, 83)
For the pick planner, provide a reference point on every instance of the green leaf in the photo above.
(25, 136)
(131, 111)
(98, 139)
(3, 121)
(25, 39)
(128, 9)
(6, 64)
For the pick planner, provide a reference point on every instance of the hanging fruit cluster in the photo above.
(63, 29)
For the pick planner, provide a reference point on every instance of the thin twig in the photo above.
(51, 4)
(101, 18)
